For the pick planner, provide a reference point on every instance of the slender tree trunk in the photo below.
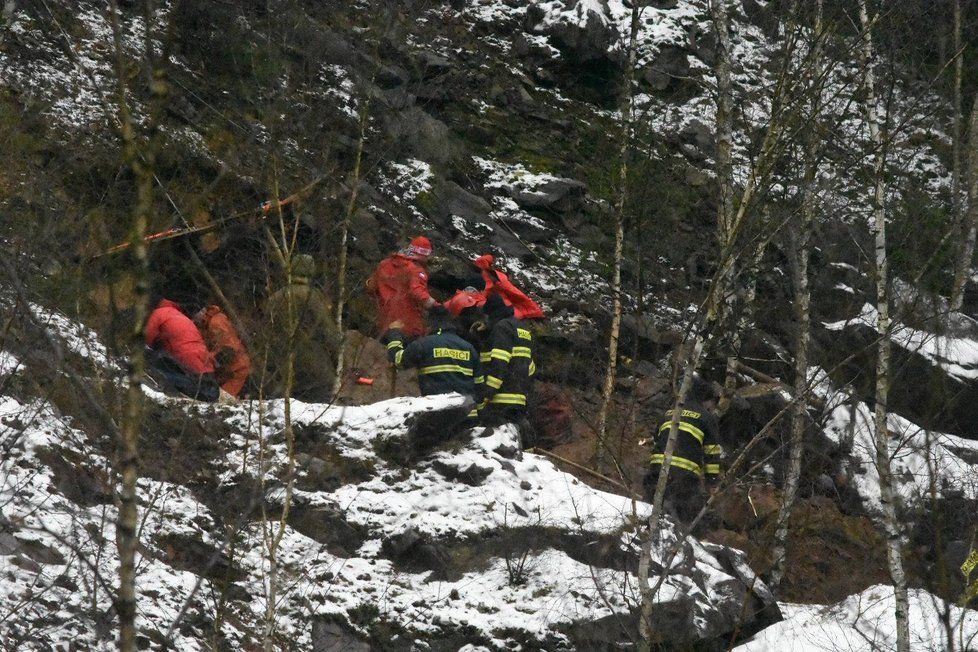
(742, 325)
(724, 118)
(621, 196)
(963, 266)
(887, 493)
(128, 518)
(724, 128)
(799, 417)
(725, 174)
(729, 231)
(958, 55)
(351, 208)
(646, 633)
(139, 155)
(273, 533)
(801, 231)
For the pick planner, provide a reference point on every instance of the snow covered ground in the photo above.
(865, 623)
(59, 559)
(59, 556)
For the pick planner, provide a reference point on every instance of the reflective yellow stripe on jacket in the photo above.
(445, 368)
(679, 462)
(508, 399)
(686, 427)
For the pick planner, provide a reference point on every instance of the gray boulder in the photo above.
(557, 195)
(422, 136)
(713, 592)
(450, 201)
(332, 637)
(592, 39)
(670, 63)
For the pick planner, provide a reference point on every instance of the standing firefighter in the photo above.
(400, 286)
(508, 368)
(695, 462)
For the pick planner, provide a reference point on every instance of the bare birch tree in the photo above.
(724, 157)
(621, 196)
(970, 228)
(878, 223)
(958, 55)
(139, 153)
(363, 119)
(729, 229)
(800, 231)
(284, 247)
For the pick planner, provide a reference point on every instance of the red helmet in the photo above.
(464, 299)
(484, 261)
(421, 246)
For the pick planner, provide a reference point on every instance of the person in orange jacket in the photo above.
(400, 286)
(178, 353)
(232, 364)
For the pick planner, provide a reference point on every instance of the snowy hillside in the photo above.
(492, 127)
(474, 541)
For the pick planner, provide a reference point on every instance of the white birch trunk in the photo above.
(743, 323)
(627, 108)
(344, 244)
(646, 633)
(724, 127)
(799, 410)
(724, 166)
(729, 230)
(963, 267)
(801, 231)
(887, 494)
(272, 534)
(958, 55)
(139, 155)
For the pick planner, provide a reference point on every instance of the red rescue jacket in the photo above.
(232, 362)
(170, 330)
(400, 285)
(523, 306)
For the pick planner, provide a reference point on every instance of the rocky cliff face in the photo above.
(491, 126)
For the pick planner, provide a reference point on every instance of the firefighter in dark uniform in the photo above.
(446, 363)
(508, 368)
(695, 466)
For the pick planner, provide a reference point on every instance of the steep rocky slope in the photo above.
(490, 126)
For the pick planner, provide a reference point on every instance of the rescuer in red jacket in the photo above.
(400, 286)
(523, 306)
(178, 353)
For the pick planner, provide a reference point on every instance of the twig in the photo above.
(597, 475)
